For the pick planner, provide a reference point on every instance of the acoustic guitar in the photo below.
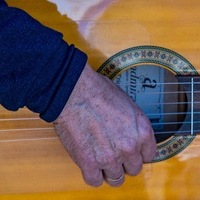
(151, 50)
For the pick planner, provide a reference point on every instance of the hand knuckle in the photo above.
(146, 133)
(128, 149)
(106, 158)
(127, 146)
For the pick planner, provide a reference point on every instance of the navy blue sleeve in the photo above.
(38, 69)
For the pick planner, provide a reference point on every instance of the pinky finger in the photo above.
(93, 177)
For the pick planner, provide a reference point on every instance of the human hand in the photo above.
(104, 131)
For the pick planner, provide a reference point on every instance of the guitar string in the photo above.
(51, 128)
(182, 132)
(192, 131)
(28, 139)
(165, 123)
(148, 114)
(174, 123)
(176, 132)
(164, 83)
(141, 105)
(170, 93)
(4, 131)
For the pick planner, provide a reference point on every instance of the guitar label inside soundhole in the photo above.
(157, 93)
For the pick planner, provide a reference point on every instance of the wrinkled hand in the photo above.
(103, 130)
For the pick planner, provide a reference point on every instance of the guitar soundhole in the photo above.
(158, 94)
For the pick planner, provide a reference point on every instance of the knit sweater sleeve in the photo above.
(38, 69)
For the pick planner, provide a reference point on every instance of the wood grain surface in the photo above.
(34, 164)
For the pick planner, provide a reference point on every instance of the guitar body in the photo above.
(34, 164)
